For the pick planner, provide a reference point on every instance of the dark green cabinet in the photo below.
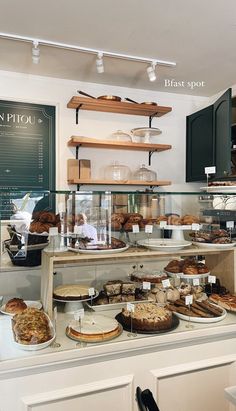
(209, 140)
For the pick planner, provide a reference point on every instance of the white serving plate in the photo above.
(110, 251)
(202, 320)
(219, 189)
(187, 276)
(30, 304)
(115, 306)
(36, 347)
(211, 245)
(165, 244)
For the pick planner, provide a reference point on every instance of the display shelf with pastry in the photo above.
(17, 305)
(148, 318)
(111, 245)
(188, 268)
(198, 311)
(94, 328)
(32, 330)
(116, 294)
(219, 238)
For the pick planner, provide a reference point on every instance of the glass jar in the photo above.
(144, 174)
(117, 172)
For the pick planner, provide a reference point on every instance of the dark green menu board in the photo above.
(27, 146)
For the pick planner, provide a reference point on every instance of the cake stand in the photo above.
(177, 230)
(73, 305)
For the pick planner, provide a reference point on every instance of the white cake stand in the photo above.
(73, 305)
(177, 230)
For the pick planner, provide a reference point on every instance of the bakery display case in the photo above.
(124, 248)
(121, 274)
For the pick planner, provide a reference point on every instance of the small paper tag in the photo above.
(130, 307)
(149, 228)
(55, 313)
(230, 224)
(210, 170)
(163, 224)
(91, 292)
(188, 299)
(195, 227)
(211, 279)
(135, 228)
(196, 281)
(166, 283)
(146, 285)
(79, 314)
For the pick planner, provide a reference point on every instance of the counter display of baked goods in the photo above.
(187, 268)
(113, 245)
(226, 301)
(18, 305)
(148, 318)
(218, 238)
(94, 328)
(125, 221)
(199, 311)
(73, 292)
(32, 330)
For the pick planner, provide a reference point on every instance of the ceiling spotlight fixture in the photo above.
(99, 63)
(151, 71)
(152, 62)
(35, 52)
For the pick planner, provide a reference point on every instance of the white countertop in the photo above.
(13, 358)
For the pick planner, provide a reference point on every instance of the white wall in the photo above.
(170, 165)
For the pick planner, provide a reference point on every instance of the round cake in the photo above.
(94, 328)
(71, 292)
(147, 317)
(156, 277)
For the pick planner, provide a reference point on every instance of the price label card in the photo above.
(188, 299)
(211, 279)
(135, 228)
(79, 314)
(230, 224)
(166, 283)
(130, 307)
(210, 170)
(146, 285)
(195, 227)
(91, 292)
(196, 281)
(55, 313)
(78, 229)
(149, 228)
(163, 224)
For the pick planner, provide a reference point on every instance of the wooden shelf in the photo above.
(122, 145)
(123, 183)
(85, 103)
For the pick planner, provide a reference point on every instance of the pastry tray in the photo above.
(115, 306)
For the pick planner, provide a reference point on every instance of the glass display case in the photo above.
(98, 253)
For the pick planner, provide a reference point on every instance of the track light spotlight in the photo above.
(35, 52)
(99, 63)
(151, 71)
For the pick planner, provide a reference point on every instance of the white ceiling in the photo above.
(199, 35)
